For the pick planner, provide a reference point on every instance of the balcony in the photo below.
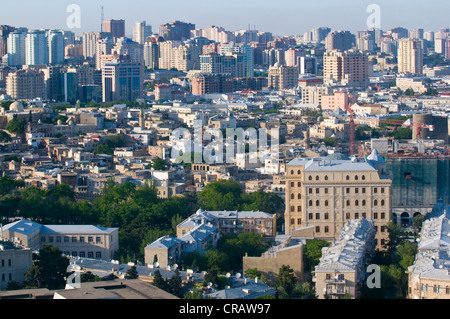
(335, 281)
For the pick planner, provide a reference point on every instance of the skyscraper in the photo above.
(16, 47)
(176, 30)
(104, 47)
(141, 31)
(410, 56)
(5, 30)
(55, 46)
(36, 48)
(115, 27)
(246, 49)
(349, 68)
(122, 79)
(339, 40)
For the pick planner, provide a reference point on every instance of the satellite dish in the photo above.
(228, 275)
(238, 275)
(156, 264)
(175, 266)
(210, 284)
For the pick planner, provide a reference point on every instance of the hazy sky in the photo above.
(282, 17)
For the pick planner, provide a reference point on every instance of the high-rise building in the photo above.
(36, 48)
(416, 34)
(206, 83)
(115, 27)
(327, 192)
(122, 79)
(176, 30)
(90, 40)
(141, 32)
(339, 40)
(307, 65)
(5, 30)
(246, 49)
(104, 47)
(55, 46)
(282, 77)
(183, 57)
(410, 56)
(134, 50)
(26, 85)
(350, 68)
(151, 53)
(16, 47)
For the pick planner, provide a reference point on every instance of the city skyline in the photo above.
(259, 15)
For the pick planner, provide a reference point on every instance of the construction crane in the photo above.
(351, 144)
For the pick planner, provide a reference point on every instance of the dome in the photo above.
(337, 157)
(16, 107)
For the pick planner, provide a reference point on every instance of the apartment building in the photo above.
(410, 56)
(429, 276)
(326, 192)
(73, 240)
(350, 68)
(342, 267)
(26, 85)
(14, 263)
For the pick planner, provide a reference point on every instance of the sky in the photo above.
(282, 17)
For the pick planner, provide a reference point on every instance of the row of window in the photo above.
(4, 263)
(436, 289)
(317, 177)
(73, 239)
(82, 254)
(9, 277)
(348, 190)
(347, 204)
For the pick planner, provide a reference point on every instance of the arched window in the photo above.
(326, 203)
(356, 177)
(347, 177)
(298, 172)
(310, 178)
(292, 172)
(299, 196)
(317, 177)
(382, 202)
(348, 203)
(317, 203)
(292, 196)
(356, 202)
(375, 202)
(363, 177)
(364, 202)
(310, 203)
(326, 177)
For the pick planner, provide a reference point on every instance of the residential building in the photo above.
(15, 261)
(410, 56)
(350, 68)
(342, 267)
(36, 48)
(176, 31)
(282, 77)
(115, 27)
(339, 40)
(141, 31)
(429, 275)
(326, 192)
(26, 85)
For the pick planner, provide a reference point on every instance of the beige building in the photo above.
(73, 240)
(429, 276)
(26, 85)
(342, 267)
(327, 192)
(350, 68)
(14, 263)
(282, 77)
(410, 56)
(314, 94)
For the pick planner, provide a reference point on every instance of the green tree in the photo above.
(286, 279)
(16, 126)
(312, 252)
(4, 137)
(158, 164)
(103, 149)
(221, 195)
(49, 269)
(132, 273)
(402, 133)
(159, 281)
(175, 284)
(329, 141)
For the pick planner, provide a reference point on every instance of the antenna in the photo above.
(103, 19)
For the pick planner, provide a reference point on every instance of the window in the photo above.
(382, 202)
(317, 203)
(447, 290)
(348, 202)
(292, 184)
(382, 190)
(292, 196)
(375, 190)
(317, 229)
(66, 239)
(356, 202)
(317, 216)
(328, 276)
(299, 221)
(375, 203)
(74, 254)
(317, 190)
(363, 177)
(82, 254)
(341, 277)
(310, 216)
(363, 190)
(347, 178)
(299, 208)
(50, 239)
(347, 190)
(292, 172)
(58, 239)
(292, 209)
(98, 255)
(363, 202)
(383, 215)
(292, 221)
(299, 196)
(383, 228)
(376, 228)
(299, 184)
(326, 177)
(74, 239)
(43, 239)
(90, 239)
(356, 215)
(317, 177)
(347, 215)
(383, 242)
(326, 202)
(98, 239)
(326, 216)
(310, 190)
(326, 190)
(326, 229)
(375, 215)
(310, 203)
(310, 178)
(356, 190)
(299, 172)
(90, 254)
(356, 177)
(81, 239)
(363, 215)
